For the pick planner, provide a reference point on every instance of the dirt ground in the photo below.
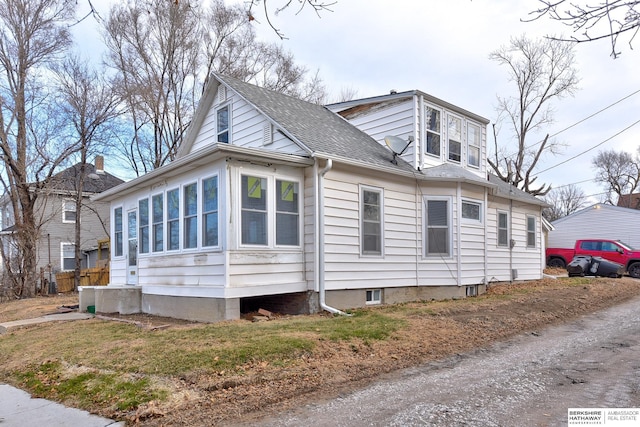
(448, 328)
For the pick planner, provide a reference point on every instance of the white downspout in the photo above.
(320, 240)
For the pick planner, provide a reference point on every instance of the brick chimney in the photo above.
(99, 164)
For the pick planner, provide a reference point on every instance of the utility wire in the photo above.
(589, 149)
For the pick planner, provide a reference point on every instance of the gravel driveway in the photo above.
(527, 381)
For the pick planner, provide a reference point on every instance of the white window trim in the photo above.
(535, 232)
(271, 209)
(152, 242)
(425, 227)
(62, 257)
(64, 210)
(113, 225)
(448, 138)
(201, 213)
(469, 145)
(373, 300)
(498, 213)
(149, 226)
(166, 219)
(182, 216)
(226, 105)
(380, 191)
(473, 221)
(426, 131)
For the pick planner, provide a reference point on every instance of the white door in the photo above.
(132, 258)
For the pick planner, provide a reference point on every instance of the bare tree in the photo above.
(32, 37)
(594, 21)
(318, 6)
(542, 71)
(618, 171)
(564, 201)
(163, 53)
(89, 106)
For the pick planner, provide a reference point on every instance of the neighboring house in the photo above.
(599, 221)
(629, 201)
(276, 203)
(56, 209)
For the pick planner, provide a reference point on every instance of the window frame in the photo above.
(477, 221)
(187, 217)
(62, 257)
(284, 214)
(373, 296)
(532, 233)
(172, 221)
(461, 120)
(71, 203)
(144, 229)
(118, 250)
(448, 227)
(477, 146)
(157, 226)
(204, 213)
(503, 229)
(380, 222)
(428, 131)
(227, 130)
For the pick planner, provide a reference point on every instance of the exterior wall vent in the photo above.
(267, 134)
(514, 274)
(222, 94)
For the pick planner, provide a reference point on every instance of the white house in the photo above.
(599, 221)
(280, 204)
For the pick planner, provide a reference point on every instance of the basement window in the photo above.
(374, 296)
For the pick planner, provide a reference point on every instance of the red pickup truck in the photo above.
(612, 250)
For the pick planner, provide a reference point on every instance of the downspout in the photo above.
(511, 241)
(320, 240)
(458, 238)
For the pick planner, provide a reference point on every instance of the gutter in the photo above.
(320, 240)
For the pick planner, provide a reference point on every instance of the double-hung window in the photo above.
(117, 231)
(68, 260)
(143, 225)
(438, 232)
(503, 229)
(287, 215)
(254, 210)
(210, 211)
(190, 216)
(222, 124)
(158, 226)
(473, 140)
(454, 136)
(69, 213)
(371, 225)
(173, 220)
(531, 231)
(432, 125)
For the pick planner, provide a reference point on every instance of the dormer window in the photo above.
(454, 135)
(473, 138)
(222, 120)
(432, 124)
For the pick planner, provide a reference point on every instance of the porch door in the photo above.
(132, 258)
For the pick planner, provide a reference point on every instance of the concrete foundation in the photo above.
(356, 298)
(192, 308)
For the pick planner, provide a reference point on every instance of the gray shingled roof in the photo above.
(93, 182)
(509, 191)
(323, 132)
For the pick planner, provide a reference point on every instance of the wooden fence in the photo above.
(95, 276)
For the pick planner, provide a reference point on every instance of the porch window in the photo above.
(503, 229)
(69, 213)
(210, 211)
(158, 228)
(143, 223)
(173, 220)
(191, 216)
(432, 125)
(437, 228)
(222, 120)
(371, 225)
(473, 139)
(287, 215)
(254, 210)
(68, 261)
(531, 231)
(454, 135)
(117, 231)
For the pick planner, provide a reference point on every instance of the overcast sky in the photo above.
(442, 48)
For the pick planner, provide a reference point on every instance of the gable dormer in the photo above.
(440, 132)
